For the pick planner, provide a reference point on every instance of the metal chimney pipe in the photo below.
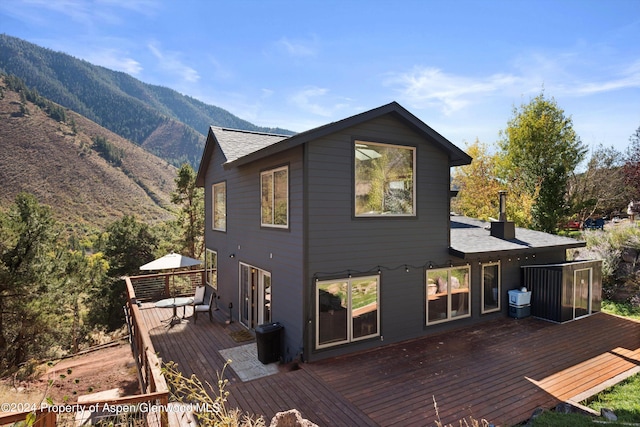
(503, 206)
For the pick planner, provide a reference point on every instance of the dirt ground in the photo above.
(99, 370)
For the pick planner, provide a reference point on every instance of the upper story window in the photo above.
(384, 179)
(274, 197)
(219, 197)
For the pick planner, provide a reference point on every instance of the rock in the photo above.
(629, 255)
(291, 418)
(564, 408)
(608, 414)
(536, 413)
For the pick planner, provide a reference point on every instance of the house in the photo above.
(343, 234)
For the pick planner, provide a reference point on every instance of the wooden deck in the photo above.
(500, 371)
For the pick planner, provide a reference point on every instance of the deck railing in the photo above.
(149, 408)
(154, 287)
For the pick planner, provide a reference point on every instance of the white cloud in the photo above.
(170, 62)
(115, 60)
(430, 87)
(309, 100)
(628, 78)
(296, 48)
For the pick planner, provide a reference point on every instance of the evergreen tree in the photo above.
(190, 199)
(27, 264)
(128, 245)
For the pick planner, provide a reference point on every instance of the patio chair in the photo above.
(203, 307)
(198, 297)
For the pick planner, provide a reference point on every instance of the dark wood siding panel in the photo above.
(278, 251)
(339, 242)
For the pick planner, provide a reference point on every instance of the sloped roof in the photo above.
(471, 238)
(234, 144)
(242, 147)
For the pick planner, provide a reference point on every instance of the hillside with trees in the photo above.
(171, 125)
(90, 175)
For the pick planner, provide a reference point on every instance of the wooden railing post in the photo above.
(45, 419)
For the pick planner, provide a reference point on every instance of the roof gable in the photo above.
(234, 145)
(242, 147)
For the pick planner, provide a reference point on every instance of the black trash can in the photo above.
(269, 341)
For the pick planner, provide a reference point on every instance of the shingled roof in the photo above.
(471, 238)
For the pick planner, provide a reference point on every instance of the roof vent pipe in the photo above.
(503, 206)
(502, 228)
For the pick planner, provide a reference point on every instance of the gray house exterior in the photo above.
(343, 234)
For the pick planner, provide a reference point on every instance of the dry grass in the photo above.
(465, 422)
(10, 394)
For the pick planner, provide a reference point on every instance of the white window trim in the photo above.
(213, 206)
(211, 269)
(449, 318)
(350, 338)
(272, 172)
(590, 302)
(413, 181)
(493, 310)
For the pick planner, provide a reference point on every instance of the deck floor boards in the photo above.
(500, 370)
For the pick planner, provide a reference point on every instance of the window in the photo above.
(274, 206)
(490, 287)
(347, 310)
(211, 268)
(384, 179)
(447, 294)
(219, 193)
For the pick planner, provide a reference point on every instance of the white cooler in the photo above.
(518, 298)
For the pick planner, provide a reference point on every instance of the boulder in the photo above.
(290, 418)
(629, 255)
(608, 414)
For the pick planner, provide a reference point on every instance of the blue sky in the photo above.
(460, 66)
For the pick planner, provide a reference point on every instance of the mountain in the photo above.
(163, 121)
(90, 175)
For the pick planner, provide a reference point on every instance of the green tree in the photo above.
(601, 187)
(479, 184)
(27, 256)
(631, 168)
(81, 275)
(128, 245)
(190, 199)
(541, 151)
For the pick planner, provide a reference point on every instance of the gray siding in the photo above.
(278, 251)
(326, 241)
(338, 242)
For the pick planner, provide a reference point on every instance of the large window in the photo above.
(490, 287)
(219, 197)
(347, 310)
(384, 179)
(274, 205)
(211, 268)
(447, 294)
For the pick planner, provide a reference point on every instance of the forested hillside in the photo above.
(90, 175)
(163, 121)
